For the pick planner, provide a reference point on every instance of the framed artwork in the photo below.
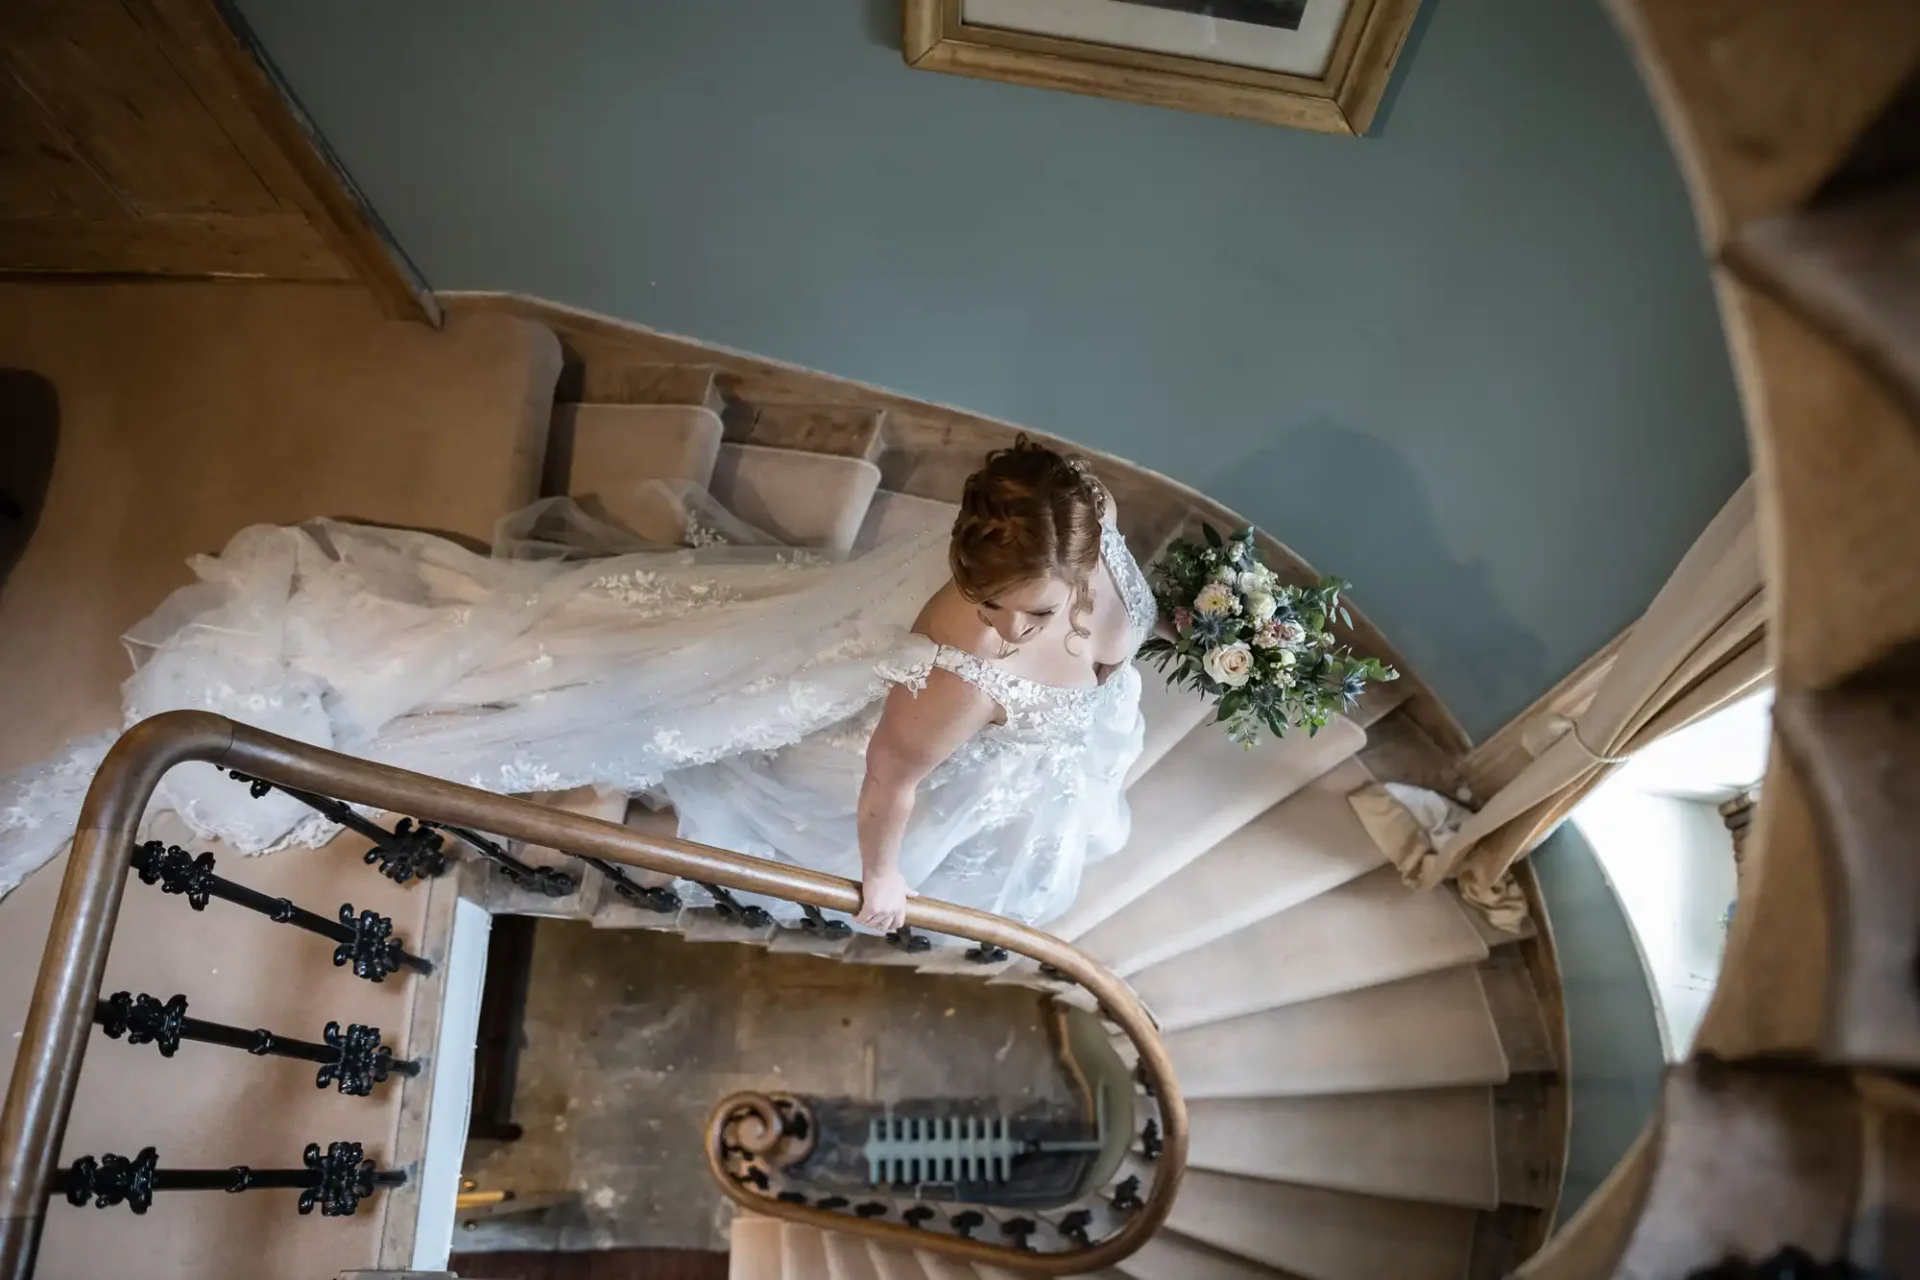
(1309, 64)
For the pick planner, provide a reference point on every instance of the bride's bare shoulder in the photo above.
(949, 618)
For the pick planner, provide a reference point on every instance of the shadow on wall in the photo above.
(1357, 509)
(29, 436)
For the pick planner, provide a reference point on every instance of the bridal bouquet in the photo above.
(1263, 649)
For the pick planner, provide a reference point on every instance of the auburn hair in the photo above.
(1027, 515)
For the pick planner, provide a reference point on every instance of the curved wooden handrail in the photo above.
(40, 1094)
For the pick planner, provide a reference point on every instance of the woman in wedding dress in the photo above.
(950, 714)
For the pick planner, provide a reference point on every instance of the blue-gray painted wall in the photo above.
(1471, 363)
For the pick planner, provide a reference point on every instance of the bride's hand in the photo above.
(883, 901)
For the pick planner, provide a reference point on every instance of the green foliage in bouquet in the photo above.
(1261, 649)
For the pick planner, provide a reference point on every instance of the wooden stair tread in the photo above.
(1366, 932)
(1436, 1146)
(1205, 789)
(642, 382)
(1307, 844)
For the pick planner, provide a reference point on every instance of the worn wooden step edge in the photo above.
(843, 430)
(641, 382)
(1518, 1015)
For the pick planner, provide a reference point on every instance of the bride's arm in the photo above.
(916, 733)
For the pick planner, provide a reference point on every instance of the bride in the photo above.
(951, 715)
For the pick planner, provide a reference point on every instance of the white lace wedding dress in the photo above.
(734, 679)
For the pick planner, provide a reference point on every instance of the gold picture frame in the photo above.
(1341, 100)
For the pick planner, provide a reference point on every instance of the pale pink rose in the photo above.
(1268, 636)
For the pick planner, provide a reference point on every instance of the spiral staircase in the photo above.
(1371, 1076)
(1368, 1068)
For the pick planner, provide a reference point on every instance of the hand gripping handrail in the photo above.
(47, 1068)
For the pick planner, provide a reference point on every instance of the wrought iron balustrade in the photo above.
(67, 1002)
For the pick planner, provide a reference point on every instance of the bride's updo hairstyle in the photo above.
(1029, 514)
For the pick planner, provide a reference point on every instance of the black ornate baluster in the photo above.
(549, 882)
(792, 1197)
(1126, 1196)
(352, 1060)
(412, 850)
(1141, 1078)
(870, 1210)
(1020, 1231)
(415, 849)
(1076, 1227)
(987, 953)
(832, 1204)
(1056, 975)
(653, 897)
(1150, 1142)
(729, 907)
(815, 921)
(910, 942)
(918, 1216)
(365, 940)
(335, 1180)
(964, 1224)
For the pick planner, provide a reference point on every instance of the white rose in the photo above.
(1225, 575)
(1287, 658)
(1260, 606)
(1231, 664)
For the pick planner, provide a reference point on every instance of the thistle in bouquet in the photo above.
(1261, 649)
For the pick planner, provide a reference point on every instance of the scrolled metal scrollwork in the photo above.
(362, 1062)
(815, 921)
(1126, 1196)
(343, 1177)
(144, 1020)
(176, 871)
(373, 951)
(113, 1180)
(728, 907)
